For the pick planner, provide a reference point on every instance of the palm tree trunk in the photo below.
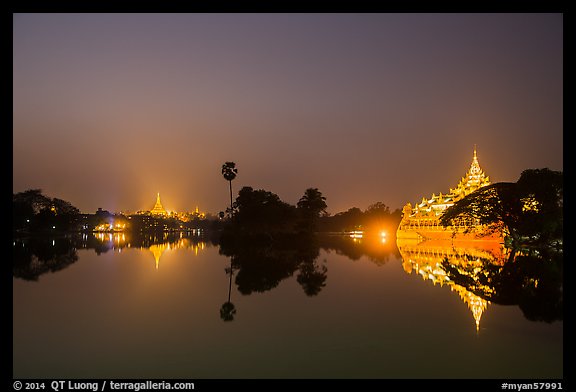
(230, 284)
(231, 210)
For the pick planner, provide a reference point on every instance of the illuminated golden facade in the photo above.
(426, 246)
(158, 209)
(422, 221)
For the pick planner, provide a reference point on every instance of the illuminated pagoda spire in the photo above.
(474, 179)
(158, 209)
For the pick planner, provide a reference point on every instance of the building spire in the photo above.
(474, 178)
(475, 167)
(158, 209)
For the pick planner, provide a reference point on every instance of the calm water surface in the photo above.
(158, 310)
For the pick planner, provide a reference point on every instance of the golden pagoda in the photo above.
(474, 179)
(158, 209)
(421, 221)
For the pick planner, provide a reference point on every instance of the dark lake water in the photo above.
(111, 307)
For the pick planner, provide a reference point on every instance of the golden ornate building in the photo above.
(158, 209)
(421, 221)
(425, 245)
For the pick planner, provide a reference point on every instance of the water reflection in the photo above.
(374, 246)
(157, 243)
(485, 272)
(228, 310)
(481, 273)
(34, 256)
(260, 268)
(532, 280)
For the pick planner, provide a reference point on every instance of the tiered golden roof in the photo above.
(474, 179)
(158, 209)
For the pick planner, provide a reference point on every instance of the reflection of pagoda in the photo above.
(157, 250)
(421, 221)
(158, 209)
(156, 245)
(184, 243)
(425, 259)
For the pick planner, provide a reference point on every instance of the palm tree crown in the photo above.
(229, 171)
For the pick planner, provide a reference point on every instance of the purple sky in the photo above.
(110, 109)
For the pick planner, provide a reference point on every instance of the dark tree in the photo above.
(33, 211)
(311, 206)
(491, 205)
(229, 173)
(262, 211)
(33, 198)
(343, 221)
(541, 195)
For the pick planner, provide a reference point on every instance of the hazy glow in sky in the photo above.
(110, 109)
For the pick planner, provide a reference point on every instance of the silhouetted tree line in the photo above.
(34, 212)
(261, 216)
(376, 217)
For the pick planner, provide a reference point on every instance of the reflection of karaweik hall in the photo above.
(424, 244)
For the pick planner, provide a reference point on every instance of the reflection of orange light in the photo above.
(383, 236)
(356, 234)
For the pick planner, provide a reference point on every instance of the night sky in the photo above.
(109, 109)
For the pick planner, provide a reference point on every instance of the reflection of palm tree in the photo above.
(228, 310)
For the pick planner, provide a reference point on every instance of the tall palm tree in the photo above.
(229, 172)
